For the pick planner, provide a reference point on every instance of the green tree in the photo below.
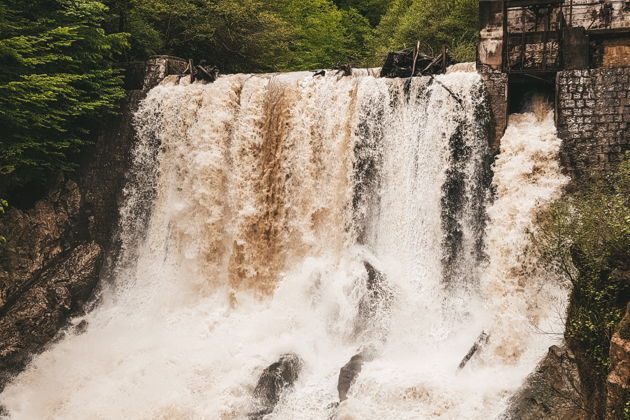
(322, 35)
(56, 82)
(244, 35)
(372, 10)
(435, 23)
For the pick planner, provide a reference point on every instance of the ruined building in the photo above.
(575, 52)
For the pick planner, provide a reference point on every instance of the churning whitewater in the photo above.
(319, 217)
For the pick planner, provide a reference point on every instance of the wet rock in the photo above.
(618, 380)
(36, 315)
(81, 327)
(273, 382)
(35, 237)
(348, 374)
(374, 303)
(55, 248)
(551, 392)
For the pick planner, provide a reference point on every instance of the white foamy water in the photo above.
(253, 204)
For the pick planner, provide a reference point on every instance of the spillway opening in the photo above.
(525, 91)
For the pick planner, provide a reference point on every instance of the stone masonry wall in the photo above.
(496, 84)
(593, 112)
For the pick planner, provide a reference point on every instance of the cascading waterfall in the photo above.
(254, 203)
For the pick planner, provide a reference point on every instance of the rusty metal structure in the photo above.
(576, 53)
(538, 37)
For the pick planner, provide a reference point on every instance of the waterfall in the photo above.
(257, 207)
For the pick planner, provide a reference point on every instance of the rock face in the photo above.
(39, 312)
(551, 392)
(56, 250)
(274, 380)
(618, 381)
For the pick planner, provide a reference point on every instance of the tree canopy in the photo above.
(272, 35)
(60, 56)
(435, 23)
(56, 81)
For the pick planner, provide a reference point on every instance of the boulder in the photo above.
(348, 374)
(273, 382)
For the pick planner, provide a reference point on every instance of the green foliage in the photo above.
(372, 10)
(58, 78)
(271, 35)
(323, 35)
(56, 82)
(434, 23)
(587, 236)
(244, 35)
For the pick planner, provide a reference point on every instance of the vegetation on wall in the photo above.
(587, 236)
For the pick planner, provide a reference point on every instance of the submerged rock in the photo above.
(375, 301)
(348, 374)
(275, 380)
(551, 392)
